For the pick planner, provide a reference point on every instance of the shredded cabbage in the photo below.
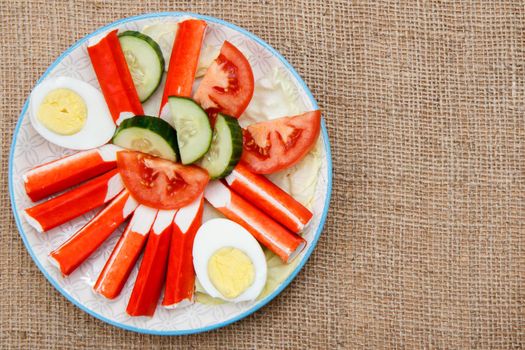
(300, 180)
(208, 55)
(274, 96)
(202, 297)
(163, 33)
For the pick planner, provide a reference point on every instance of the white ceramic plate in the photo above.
(29, 149)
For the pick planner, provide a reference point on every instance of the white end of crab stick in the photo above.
(152, 272)
(78, 201)
(268, 197)
(180, 278)
(143, 220)
(115, 185)
(165, 112)
(123, 116)
(287, 245)
(163, 221)
(33, 222)
(125, 254)
(58, 175)
(108, 152)
(97, 38)
(186, 216)
(85, 241)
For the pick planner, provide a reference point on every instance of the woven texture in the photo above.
(424, 242)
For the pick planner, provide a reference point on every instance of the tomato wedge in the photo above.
(280, 143)
(227, 86)
(160, 183)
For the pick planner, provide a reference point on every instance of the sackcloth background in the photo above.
(424, 242)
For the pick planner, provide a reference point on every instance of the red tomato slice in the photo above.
(280, 143)
(160, 183)
(227, 86)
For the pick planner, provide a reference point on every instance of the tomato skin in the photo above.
(227, 86)
(280, 143)
(160, 183)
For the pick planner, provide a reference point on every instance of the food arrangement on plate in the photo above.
(174, 143)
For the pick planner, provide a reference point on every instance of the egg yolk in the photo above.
(231, 271)
(63, 111)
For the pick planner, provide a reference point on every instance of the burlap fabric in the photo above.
(423, 246)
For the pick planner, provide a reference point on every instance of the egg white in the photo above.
(219, 233)
(99, 126)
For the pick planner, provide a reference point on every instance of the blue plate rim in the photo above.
(261, 303)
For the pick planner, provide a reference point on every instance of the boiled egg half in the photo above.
(71, 113)
(228, 261)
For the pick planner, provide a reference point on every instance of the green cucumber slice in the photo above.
(147, 134)
(226, 147)
(193, 128)
(145, 62)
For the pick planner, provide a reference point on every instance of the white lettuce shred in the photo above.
(208, 55)
(274, 96)
(164, 34)
(300, 180)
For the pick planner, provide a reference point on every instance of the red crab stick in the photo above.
(125, 254)
(152, 271)
(180, 279)
(85, 241)
(78, 201)
(114, 77)
(268, 197)
(183, 61)
(285, 244)
(60, 174)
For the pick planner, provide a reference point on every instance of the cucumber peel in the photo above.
(226, 147)
(148, 134)
(145, 62)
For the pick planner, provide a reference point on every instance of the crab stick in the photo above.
(287, 245)
(152, 271)
(180, 278)
(85, 241)
(114, 77)
(58, 175)
(125, 254)
(78, 201)
(183, 61)
(268, 197)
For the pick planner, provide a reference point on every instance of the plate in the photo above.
(29, 149)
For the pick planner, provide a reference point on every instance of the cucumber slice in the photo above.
(147, 134)
(193, 128)
(226, 147)
(145, 62)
